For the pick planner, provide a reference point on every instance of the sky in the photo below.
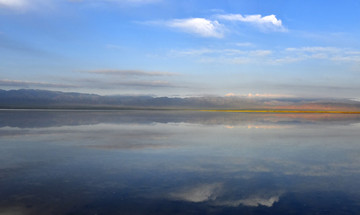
(261, 48)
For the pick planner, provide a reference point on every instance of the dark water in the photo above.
(138, 162)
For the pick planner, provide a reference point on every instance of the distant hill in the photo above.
(32, 98)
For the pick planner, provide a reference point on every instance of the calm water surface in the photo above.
(173, 162)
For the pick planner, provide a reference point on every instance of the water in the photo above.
(176, 162)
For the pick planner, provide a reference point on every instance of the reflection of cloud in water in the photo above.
(127, 145)
(261, 126)
(201, 193)
(268, 126)
(214, 193)
(251, 202)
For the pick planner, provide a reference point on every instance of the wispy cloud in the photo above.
(126, 84)
(89, 83)
(32, 84)
(198, 26)
(259, 95)
(334, 54)
(313, 49)
(129, 2)
(25, 5)
(130, 72)
(270, 57)
(260, 52)
(14, 4)
(247, 44)
(136, 1)
(228, 52)
(114, 83)
(269, 22)
(224, 56)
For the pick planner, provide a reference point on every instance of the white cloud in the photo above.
(26, 5)
(269, 22)
(272, 57)
(121, 1)
(225, 56)
(133, 2)
(244, 44)
(14, 4)
(320, 52)
(260, 53)
(314, 49)
(221, 52)
(259, 95)
(199, 26)
(268, 95)
(141, 1)
(189, 52)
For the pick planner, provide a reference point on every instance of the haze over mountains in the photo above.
(31, 98)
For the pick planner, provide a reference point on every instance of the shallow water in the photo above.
(178, 162)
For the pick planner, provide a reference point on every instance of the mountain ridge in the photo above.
(46, 99)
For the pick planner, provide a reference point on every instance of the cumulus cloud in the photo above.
(198, 26)
(269, 22)
(214, 28)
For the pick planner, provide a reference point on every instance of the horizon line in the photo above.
(284, 111)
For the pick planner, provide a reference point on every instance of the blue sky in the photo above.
(182, 48)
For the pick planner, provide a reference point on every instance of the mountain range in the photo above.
(45, 99)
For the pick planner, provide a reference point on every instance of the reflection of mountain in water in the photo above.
(34, 119)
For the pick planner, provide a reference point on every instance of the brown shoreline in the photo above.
(285, 111)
